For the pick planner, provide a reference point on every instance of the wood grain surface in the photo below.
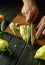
(22, 21)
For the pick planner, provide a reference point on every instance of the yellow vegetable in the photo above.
(4, 46)
(1, 17)
(25, 32)
(12, 27)
(40, 53)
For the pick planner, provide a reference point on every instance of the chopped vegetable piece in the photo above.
(16, 26)
(3, 25)
(40, 53)
(4, 46)
(12, 27)
(1, 17)
(25, 32)
(32, 34)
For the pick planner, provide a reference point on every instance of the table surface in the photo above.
(23, 54)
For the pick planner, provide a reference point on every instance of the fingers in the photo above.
(35, 16)
(23, 11)
(42, 20)
(43, 33)
(40, 30)
(39, 24)
(40, 27)
(28, 16)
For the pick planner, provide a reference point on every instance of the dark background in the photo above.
(40, 3)
(23, 53)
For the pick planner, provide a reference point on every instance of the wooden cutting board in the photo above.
(22, 21)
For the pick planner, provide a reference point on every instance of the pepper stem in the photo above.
(9, 50)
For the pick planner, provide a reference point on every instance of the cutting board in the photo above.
(20, 19)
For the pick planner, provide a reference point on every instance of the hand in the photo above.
(29, 10)
(41, 28)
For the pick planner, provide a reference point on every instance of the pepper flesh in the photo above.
(40, 53)
(25, 32)
(4, 46)
(12, 27)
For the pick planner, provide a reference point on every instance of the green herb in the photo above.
(4, 46)
(40, 53)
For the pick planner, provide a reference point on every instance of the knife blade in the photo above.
(32, 33)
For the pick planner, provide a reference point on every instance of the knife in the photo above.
(32, 33)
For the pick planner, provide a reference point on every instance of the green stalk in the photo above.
(10, 51)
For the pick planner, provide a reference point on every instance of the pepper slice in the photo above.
(25, 32)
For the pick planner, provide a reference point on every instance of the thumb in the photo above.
(23, 12)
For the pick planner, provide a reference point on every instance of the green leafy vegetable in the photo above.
(4, 46)
(40, 53)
